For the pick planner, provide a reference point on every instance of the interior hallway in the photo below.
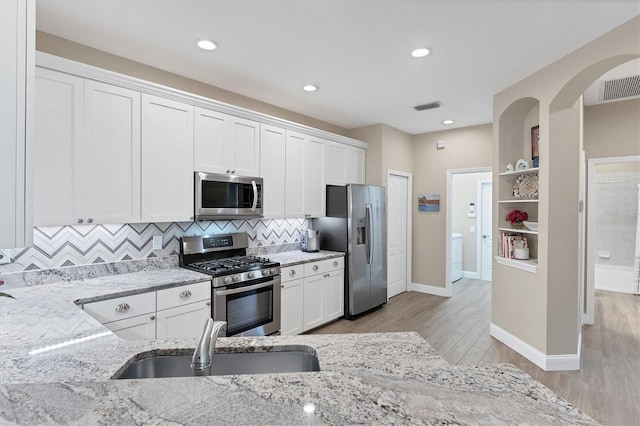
(607, 388)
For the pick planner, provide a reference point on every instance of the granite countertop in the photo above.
(291, 258)
(56, 362)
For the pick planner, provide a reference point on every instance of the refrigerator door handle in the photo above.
(370, 235)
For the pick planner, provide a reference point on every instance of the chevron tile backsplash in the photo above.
(86, 244)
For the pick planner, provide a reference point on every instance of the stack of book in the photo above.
(510, 242)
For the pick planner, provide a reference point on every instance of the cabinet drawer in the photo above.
(291, 273)
(317, 267)
(182, 295)
(335, 264)
(122, 307)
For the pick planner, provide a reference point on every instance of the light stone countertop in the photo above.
(381, 378)
(291, 258)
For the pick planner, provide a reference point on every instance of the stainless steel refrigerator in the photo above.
(356, 224)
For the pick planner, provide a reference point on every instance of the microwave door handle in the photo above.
(243, 289)
(255, 195)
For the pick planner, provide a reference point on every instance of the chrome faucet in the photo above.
(203, 354)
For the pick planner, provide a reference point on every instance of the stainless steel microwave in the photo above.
(226, 196)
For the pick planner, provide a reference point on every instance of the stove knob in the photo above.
(265, 272)
(235, 278)
(252, 275)
(273, 271)
(226, 280)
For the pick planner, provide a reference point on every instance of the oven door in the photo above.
(220, 196)
(251, 308)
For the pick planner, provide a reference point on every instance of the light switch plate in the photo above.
(5, 256)
(157, 242)
(472, 229)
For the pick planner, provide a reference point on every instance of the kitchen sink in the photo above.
(288, 361)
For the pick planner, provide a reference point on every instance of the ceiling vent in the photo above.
(431, 105)
(621, 88)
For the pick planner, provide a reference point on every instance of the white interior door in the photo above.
(486, 200)
(398, 196)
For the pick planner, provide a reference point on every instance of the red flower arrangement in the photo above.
(517, 216)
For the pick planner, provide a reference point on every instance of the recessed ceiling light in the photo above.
(206, 44)
(447, 122)
(420, 53)
(310, 88)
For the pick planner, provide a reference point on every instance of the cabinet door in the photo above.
(183, 321)
(244, 139)
(313, 300)
(336, 163)
(314, 187)
(291, 315)
(355, 165)
(333, 295)
(142, 327)
(211, 141)
(57, 150)
(294, 175)
(16, 87)
(272, 170)
(111, 162)
(167, 160)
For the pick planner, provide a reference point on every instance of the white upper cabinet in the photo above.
(226, 144)
(87, 152)
(17, 26)
(345, 164)
(111, 161)
(294, 175)
(314, 177)
(167, 160)
(59, 120)
(272, 170)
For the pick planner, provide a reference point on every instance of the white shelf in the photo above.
(530, 265)
(524, 200)
(520, 172)
(521, 230)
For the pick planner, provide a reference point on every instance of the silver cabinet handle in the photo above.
(152, 317)
(281, 285)
(123, 307)
(185, 294)
(233, 172)
(90, 220)
(335, 264)
(80, 220)
(228, 170)
(315, 267)
(292, 273)
(208, 303)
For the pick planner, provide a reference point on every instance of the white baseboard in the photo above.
(546, 362)
(614, 278)
(430, 289)
(472, 275)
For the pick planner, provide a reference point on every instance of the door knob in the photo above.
(485, 236)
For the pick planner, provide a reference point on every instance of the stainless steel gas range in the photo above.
(246, 289)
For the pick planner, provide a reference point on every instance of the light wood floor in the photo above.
(607, 388)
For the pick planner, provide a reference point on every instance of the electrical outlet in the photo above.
(157, 242)
(472, 229)
(5, 256)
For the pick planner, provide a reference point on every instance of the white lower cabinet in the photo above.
(175, 312)
(312, 295)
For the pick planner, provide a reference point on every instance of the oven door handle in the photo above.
(255, 195)
(243, 289)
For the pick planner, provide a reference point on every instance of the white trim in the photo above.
(450, 173)
(472, 275)
(479, 220)
(409, 177)
(591, 227)
(546, 362)
(430, 289)
(56, 63)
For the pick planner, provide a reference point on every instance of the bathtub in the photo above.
(614, 278)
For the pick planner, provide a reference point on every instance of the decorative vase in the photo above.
(517, 225)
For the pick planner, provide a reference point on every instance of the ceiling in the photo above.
(356, 51)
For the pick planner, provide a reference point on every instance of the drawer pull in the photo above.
(123, 307)
(292, 273)
(152, 317)
(335, 263)
(208, 303)
(185, 294)
(315, 267)
(281, 285)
